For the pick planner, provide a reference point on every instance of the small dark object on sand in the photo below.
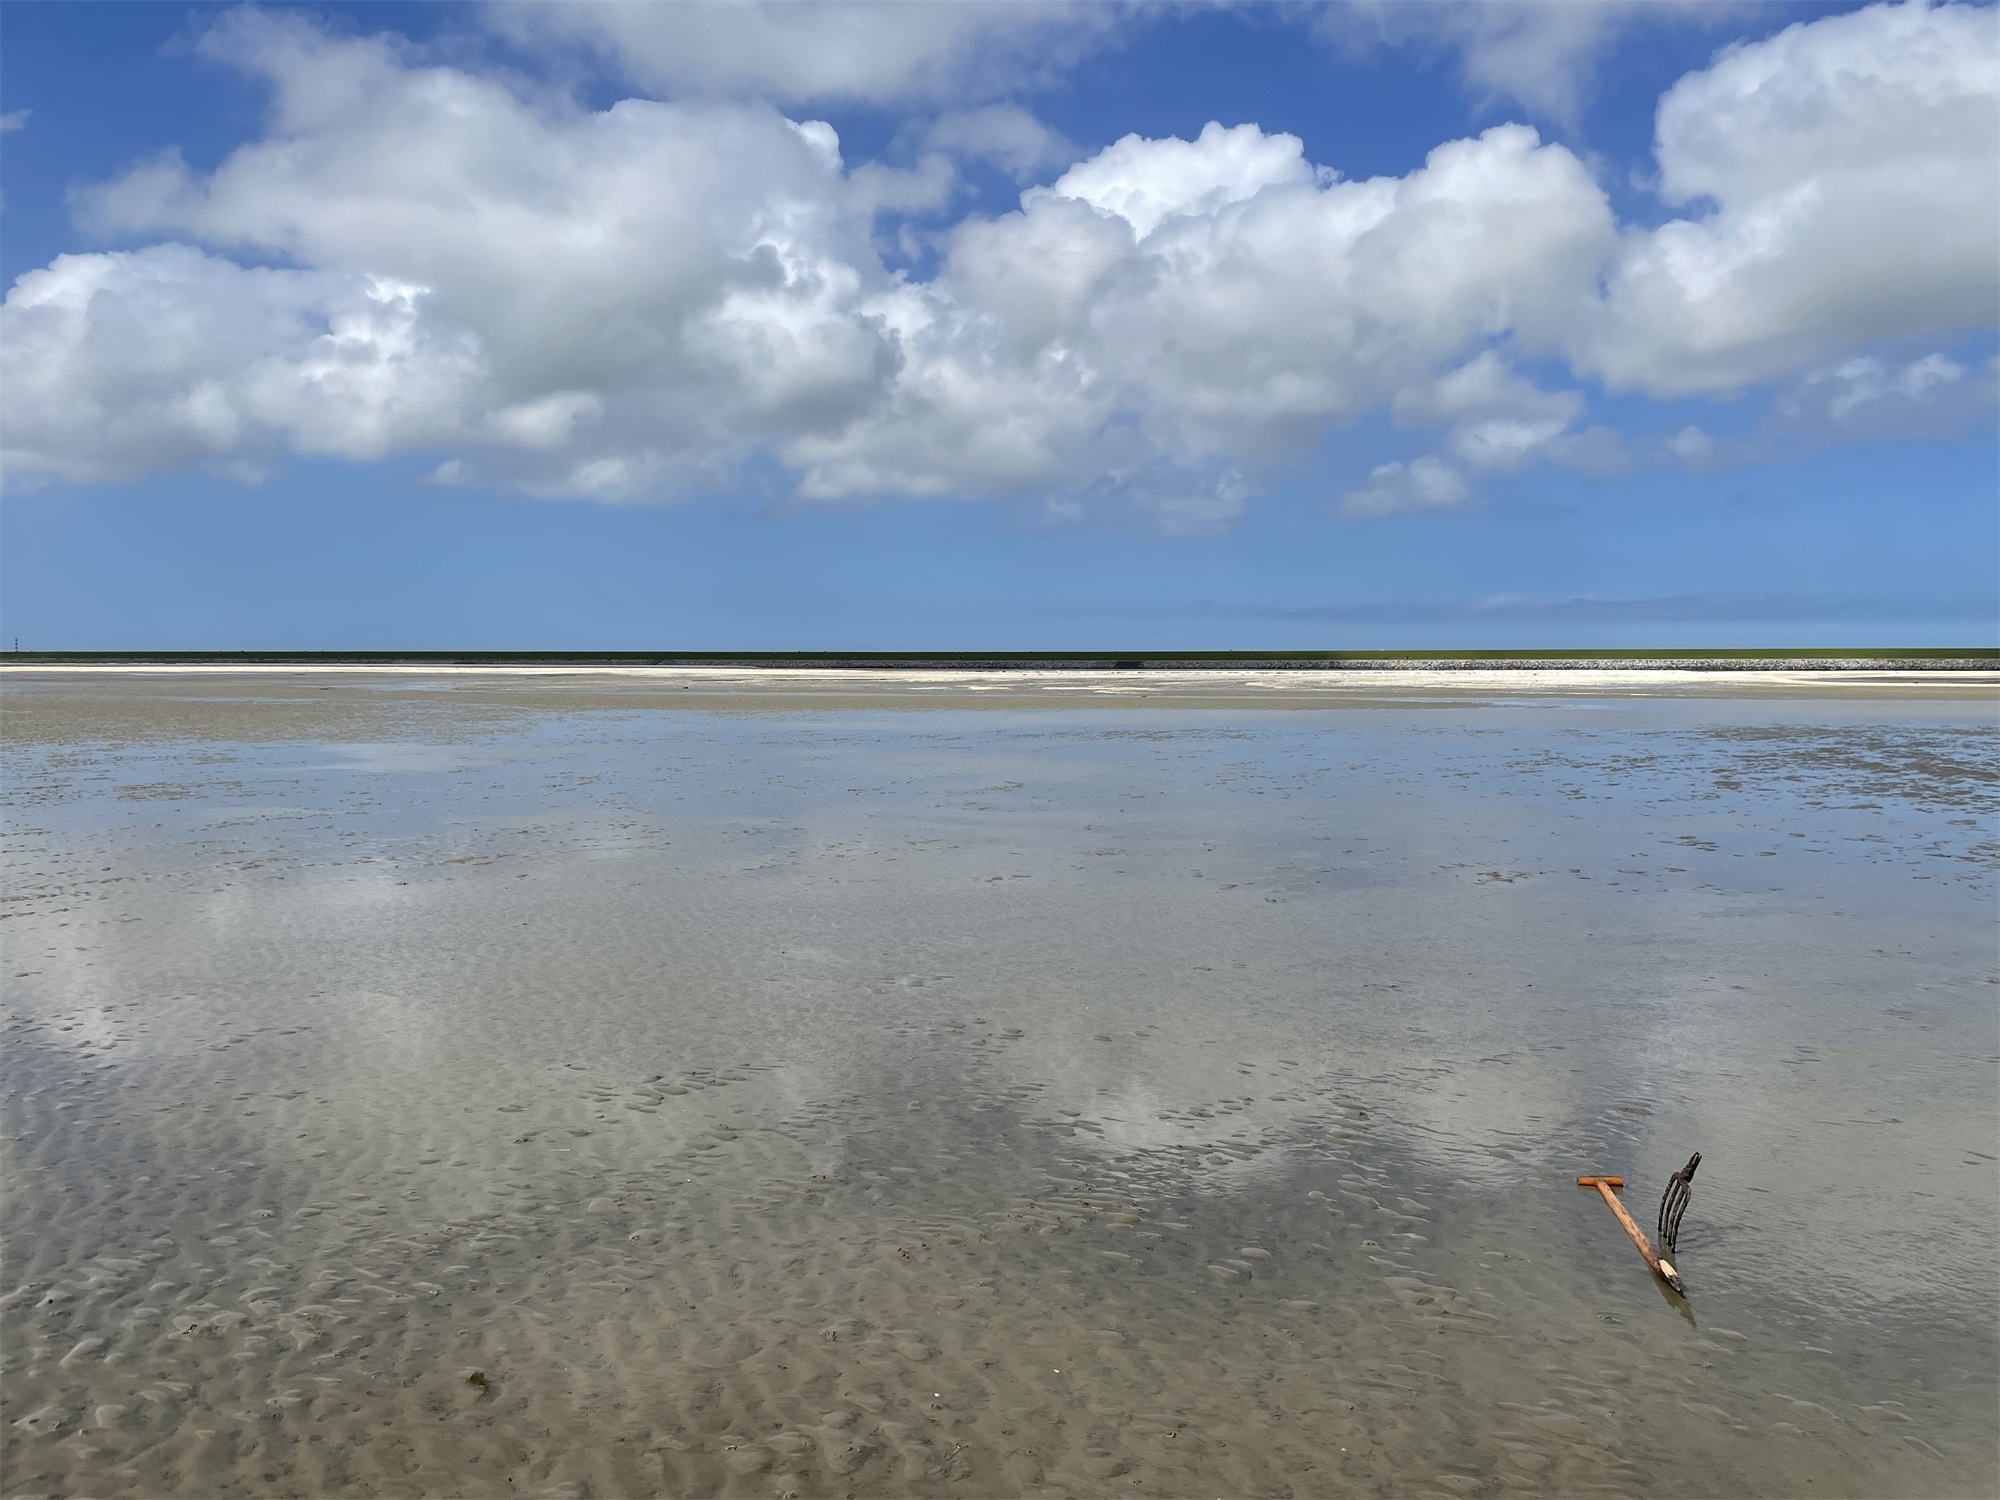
(1675, 1203)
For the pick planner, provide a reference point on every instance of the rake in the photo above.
(1674, 1203)
(1672, 1206)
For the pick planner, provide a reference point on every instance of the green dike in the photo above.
(1972, 656)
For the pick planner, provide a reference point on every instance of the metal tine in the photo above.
(1674, 1203)
(1672, 1206)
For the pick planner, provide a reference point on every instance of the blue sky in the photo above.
(409, 326)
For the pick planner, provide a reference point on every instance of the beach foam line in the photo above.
(1126, 683)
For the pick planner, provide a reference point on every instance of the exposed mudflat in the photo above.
(475, 1083)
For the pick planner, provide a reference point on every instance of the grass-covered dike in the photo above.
(1897, 658)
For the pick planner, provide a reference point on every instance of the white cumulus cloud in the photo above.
(630, 296)
(1427, 483)
(1540, 53)
(122, 363)
(1845, 187)
(640, 300)
(1010, 138)
(1190, 306)
(882, 51)
(1870, 396)
(1499, 420)
(1145, 182)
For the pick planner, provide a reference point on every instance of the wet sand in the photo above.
(608, 1084)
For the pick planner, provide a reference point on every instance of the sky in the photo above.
(969, 326)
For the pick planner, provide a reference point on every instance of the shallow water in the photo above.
(464, 1084)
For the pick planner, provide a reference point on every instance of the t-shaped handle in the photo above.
(1608, 1187)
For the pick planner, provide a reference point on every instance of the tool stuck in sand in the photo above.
(1609, 1186)
(1674, 1203)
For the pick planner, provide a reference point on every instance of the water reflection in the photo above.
(1173, 1029)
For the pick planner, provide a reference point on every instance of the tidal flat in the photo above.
(842, 1084)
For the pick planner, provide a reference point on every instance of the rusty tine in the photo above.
(1608, 1186)
(1674, 1203)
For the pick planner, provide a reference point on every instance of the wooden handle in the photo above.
(1605, 1186)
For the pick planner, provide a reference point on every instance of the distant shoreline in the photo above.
(1894, 659)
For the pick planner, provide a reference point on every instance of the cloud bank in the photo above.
(647, 300)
